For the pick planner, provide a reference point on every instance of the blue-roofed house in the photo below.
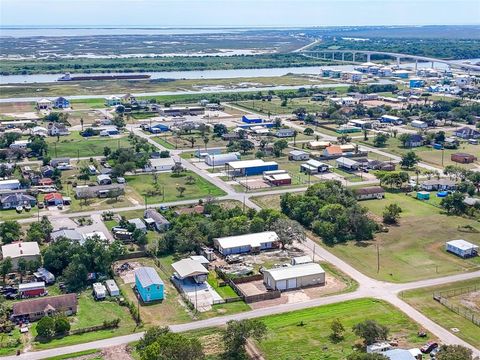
(61, 103)
(148, 284)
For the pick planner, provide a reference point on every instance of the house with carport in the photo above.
(247, 243)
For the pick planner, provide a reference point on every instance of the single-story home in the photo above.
(139, 224)
(148, 284)
(294, 277)
(19, 144)
(246, 243)
(372, 192)
(298, 155)
(439, 184)
(53, 199)
(21, 250)
(70, 234)
(112, 100)
(283, 133)
(11, 201)
(160, 164)
(318, 145)
(156, 220)
(314, 167)
(112, 287)
(201, 259)
(44, 104)
(419, 124)
(467, 133)
(414, 141)
(277, 177)
(59, 129)
(301, 260)
(190, 269)
(462, 248)
(101, 191)
(59, 161)
(332, 150)
(33, 310)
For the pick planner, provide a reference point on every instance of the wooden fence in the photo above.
(443, 297)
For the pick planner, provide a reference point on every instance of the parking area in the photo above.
(201, 296)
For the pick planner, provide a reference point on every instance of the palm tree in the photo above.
(205, 141)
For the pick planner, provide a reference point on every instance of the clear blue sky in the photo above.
(239, 12)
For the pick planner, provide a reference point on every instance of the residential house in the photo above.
(57, 129)
(347, 163)
(439, 185)
(139, 224)
(390, 119)
(35, 309)
(160, 164)
(39, 131)
(462, 248)
(59, 161)
(70, 234)
(53, 199)
(190, 271)
(318, 145)
(246, 243)
(367, 193)
(467, 133)
(61, 103)
(414, 140)
(313, 167)
(283, 133)
(156, 220)
(100, 191)
(148, 284)
(112, 100)
(20, 144)
(44, 104)
(332, 151)
(294, 277)
(47, 171)
(21, 250)
(11, 201)
(419, 124)
(277, 177)
(463, 158)
(298, 155)
(128, 99)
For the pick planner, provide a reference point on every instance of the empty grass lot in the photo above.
(75, 145)
(414, 249)
(422, 300)
(288, 339)
(168, 184)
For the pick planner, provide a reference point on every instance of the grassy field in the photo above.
(415, 248)
(274, 107)
(182, 141)
(141, 184)
(305, 334)
(91, 313)
(267, 201)
(75, 145)
(422, 300)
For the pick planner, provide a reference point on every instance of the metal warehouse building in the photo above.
(249, 167)
(293, 277)
(221, 159)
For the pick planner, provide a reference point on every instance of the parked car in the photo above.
(434, 352)
(428, 347)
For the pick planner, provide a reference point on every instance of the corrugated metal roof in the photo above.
(254, 240)
(148, 276)
(188, 267)
(296, 271)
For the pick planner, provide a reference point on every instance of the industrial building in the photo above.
(250, 167)
(221, 159)
(293, 277)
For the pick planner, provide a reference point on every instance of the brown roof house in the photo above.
(373, 192)
(33, 310)
(463, 158)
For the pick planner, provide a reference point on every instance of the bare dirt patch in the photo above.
(126, 271)
(471, 301)
(121, 352)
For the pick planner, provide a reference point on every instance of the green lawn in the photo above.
(141, 184)
(75, 145)
(414, 249)
(305, 334)
(422, 300)
(91, 313)
(275, 107)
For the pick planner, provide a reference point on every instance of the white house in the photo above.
(298, 155)
(347, 163)
(313, 167)
(12, 184)
(21, 250)
(461, 248)
(19, 144)
(246, 243)
(44, 104)
(160, 164)
(419, 124)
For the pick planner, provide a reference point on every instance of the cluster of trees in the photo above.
(74, 261)
(189, 232)
(48, 327)
(159, 343)
(57, 117)
(469, 185)
(331, 211)
(409, 160)
(394, 179)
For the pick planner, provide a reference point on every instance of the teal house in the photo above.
(148, 284)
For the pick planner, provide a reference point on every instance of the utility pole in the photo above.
(378, 259)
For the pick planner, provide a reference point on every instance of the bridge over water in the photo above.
(339, 55)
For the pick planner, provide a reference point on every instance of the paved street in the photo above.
(368, 287)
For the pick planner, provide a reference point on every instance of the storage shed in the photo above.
(32, 289)
(462, 248)
(293, 277)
